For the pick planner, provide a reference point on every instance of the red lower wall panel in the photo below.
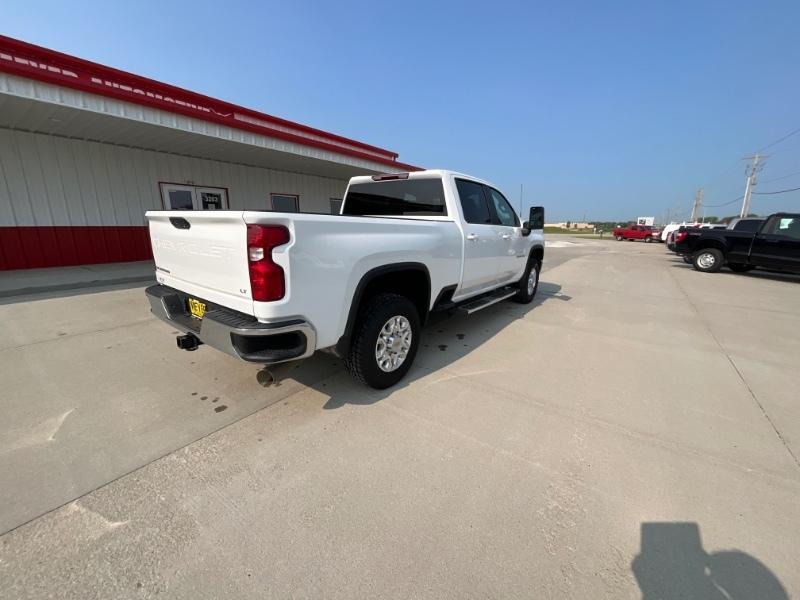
(37, 247)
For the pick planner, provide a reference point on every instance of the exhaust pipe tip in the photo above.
(188, 341)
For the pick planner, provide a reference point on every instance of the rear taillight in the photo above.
(267, 280)
(680, 237)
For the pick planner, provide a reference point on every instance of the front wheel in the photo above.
(529, 283)
(620, 238)
(687, 258)
(648, 239)
(385, 341)
(708, 260)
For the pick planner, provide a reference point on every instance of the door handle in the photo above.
(506, 236)
(472, 237)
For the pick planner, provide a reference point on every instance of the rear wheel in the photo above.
(620, 238)
(648, 239)
(708, 260)
(739, 268)
(385, 341)
(529, 283)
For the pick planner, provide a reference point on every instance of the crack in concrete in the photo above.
(738, 372)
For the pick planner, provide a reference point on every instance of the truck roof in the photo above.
(426, 174)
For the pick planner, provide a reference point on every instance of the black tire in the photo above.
(524, 294)
(361, 362)
(620, 238)
(739, 268)
(648, 239)
(708, 260)
(687, 258)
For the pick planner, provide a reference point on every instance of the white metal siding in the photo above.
(133, 114)
(50, 180)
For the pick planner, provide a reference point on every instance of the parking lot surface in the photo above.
(634, 432)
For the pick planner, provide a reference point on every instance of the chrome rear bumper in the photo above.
(234, 333)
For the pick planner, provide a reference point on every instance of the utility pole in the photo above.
(698, 202)
(751, 172)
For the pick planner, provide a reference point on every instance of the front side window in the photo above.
(784, 226)
(473, 202)
(285, 202)
(505, 214)
(396, 197)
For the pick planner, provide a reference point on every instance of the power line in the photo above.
(777, 192)
(724, 203)
(778, 141)
(782, 177)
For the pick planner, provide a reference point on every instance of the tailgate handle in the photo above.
(179, 223)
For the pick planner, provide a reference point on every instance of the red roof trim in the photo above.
(42, 64)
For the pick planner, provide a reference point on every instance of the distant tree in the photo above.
(711, 220)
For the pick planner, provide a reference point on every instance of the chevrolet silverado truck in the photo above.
(774, 243)
(269, 287)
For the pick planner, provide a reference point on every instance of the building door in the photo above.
(190, 197)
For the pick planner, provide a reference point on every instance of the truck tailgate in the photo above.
(203, 254)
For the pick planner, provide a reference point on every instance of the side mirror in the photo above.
(526, 228)
(536, 218)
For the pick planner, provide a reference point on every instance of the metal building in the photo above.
(86, 149)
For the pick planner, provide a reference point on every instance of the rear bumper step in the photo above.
(234, 333)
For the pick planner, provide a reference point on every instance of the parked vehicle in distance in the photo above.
(772, 243)
(269, 287)
(631, 232)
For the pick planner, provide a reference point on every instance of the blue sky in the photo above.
(608, 109)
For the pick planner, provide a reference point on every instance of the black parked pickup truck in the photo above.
(775, 245)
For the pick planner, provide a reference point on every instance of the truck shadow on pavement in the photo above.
(754, 274)
(446, 338)
(673, 564)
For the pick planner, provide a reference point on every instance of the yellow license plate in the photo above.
(197, 308)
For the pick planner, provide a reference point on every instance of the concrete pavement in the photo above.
(633, 433)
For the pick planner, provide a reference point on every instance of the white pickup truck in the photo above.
(269, 287)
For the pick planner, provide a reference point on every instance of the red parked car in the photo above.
(638, 232)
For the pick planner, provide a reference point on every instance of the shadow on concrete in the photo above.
(672, 564)
(758, 273)
(69, 290)
(446, 338)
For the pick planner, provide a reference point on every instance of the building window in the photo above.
(285, 202)
(176, 196)
(336, 206)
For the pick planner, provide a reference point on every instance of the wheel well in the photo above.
(709, 244)
(537, 252)
(406, 279)
(411, 283)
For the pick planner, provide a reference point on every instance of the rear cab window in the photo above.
(396, 198)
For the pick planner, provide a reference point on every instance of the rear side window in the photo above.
(749, 225)
(403, 197)
(473, 202)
